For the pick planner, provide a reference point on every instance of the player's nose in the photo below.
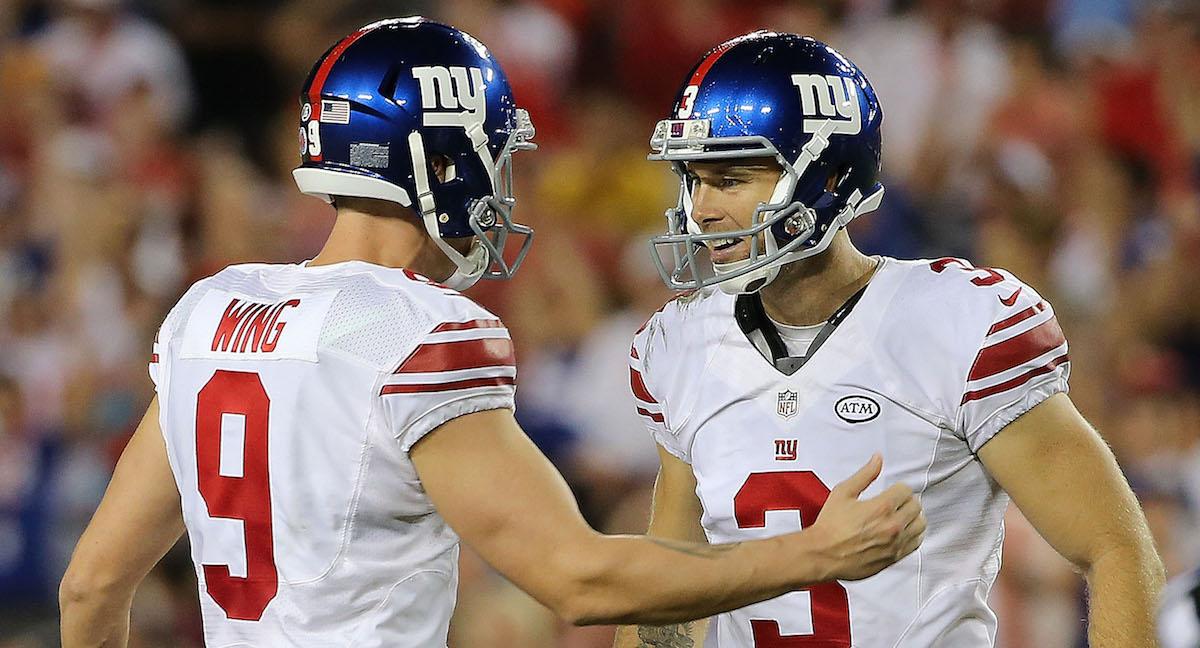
(707, 209)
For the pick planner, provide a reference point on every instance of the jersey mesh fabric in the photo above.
(372, 324)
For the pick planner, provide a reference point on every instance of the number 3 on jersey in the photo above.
(246, 497)
(801, 491)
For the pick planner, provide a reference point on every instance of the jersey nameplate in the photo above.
(229, 325)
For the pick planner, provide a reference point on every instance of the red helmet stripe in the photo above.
(318, 83)
(709, 61)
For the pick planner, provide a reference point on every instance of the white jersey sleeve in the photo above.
(161, 339)
(464, 364)
(1017, 357)
(671, 354)
(167, 331)
(646, 349)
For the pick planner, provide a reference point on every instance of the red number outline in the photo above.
(246, 498)
(804, 492)
(991, 278)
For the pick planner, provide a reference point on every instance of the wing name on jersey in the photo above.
(451, 96)
(829, 98)
(251, 326)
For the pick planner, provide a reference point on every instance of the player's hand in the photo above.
(860, 538)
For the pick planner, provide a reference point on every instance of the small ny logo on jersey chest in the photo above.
(785, 449)
(788, 404)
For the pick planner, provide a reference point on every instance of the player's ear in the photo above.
(441, 167)
(831, 182)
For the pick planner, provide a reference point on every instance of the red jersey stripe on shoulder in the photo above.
(634, 354)
(1018, 318)
(464, 326)
(460, 354)
(1015, 382)
(639, 387)
(419, 278)
(657, 418)
(153, 358)
(448, 386)
(1017, 350)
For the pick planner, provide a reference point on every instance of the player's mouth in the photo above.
(727, 250)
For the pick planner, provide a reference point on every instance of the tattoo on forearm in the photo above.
(667, 636)
(693, 549)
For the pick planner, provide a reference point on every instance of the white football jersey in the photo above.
(290, 397)
(933, 361)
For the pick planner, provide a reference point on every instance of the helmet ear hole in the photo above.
(442, 167)
(836, 177)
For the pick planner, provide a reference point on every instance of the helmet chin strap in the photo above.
(754, 280)
(856, 205)
(462, 279)
(469, 267)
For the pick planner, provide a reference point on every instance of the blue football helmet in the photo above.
(783, 96)
(381, 103)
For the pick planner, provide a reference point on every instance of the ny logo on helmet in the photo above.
(451, 96)
(829, 98)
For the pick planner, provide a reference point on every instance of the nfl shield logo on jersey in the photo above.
(787, 404)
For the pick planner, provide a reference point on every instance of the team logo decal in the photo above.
(856, 409)
(785, 449)
(829, 98)
(788, 404)
(451, 96)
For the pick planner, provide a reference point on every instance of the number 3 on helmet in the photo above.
(384, 101)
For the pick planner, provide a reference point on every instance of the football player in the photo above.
(327, 431)
(793, 356)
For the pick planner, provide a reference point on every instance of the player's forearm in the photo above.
(93, 619)
(646, 580)
(1125, 585)
(674, 635)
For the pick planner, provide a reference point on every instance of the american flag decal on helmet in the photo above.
(335, 112)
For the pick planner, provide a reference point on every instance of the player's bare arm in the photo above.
(675, 516)
(1065, 480)
(138, 520)
(506, 500)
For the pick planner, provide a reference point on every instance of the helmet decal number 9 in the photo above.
(314, 138)
(245, 497)
(687, 101)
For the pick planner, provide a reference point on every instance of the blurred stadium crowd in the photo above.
(144, 145)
